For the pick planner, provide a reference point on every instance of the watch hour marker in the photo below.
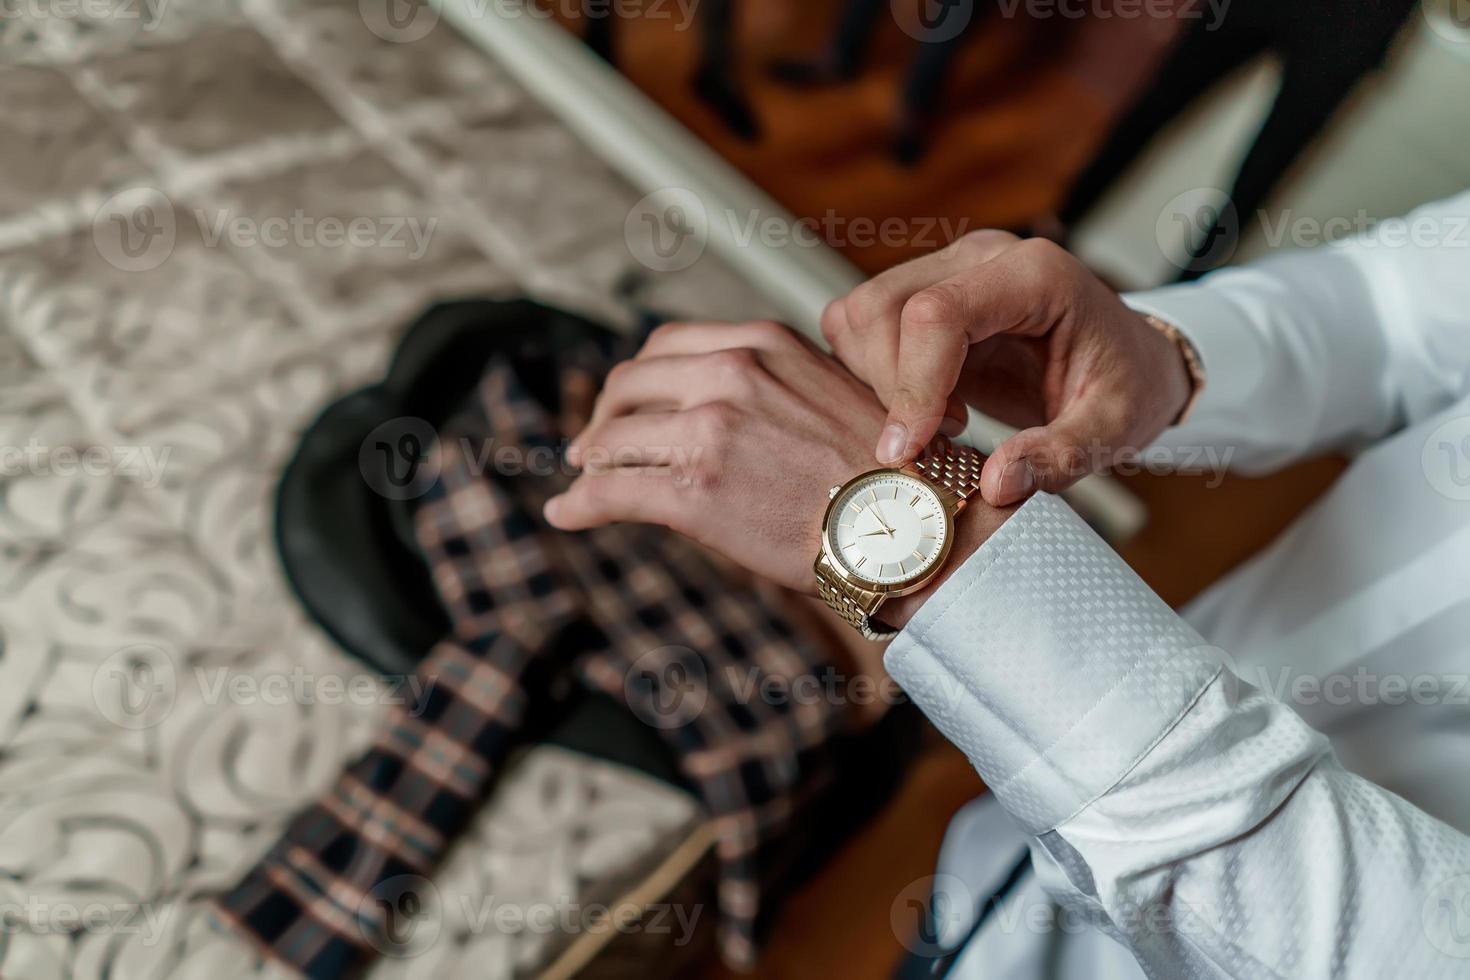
(862, 560)
(915, 500)
(919, 555)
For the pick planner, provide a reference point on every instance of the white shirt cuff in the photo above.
(1050, 664)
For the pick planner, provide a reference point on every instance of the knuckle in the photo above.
(937, 306)
(985, 242)
(834, 321)
(1057, 464)
(771, 331)
(917, 404)
(1074, 460)
(1050, 273)
(617, 375)
(703, 471)
(735, 369)
(1044, 254)
(866, 304)
(707, 475)
(662, 333)
(1044, 462)
(716, 423)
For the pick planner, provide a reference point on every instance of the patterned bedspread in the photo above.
(214, 217)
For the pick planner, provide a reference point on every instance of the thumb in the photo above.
(1049, 458)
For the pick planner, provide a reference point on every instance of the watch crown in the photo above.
(832, 493)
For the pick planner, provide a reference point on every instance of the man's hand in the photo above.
(1024, 332)
(732, 435)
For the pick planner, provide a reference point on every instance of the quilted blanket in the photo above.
(214, 218)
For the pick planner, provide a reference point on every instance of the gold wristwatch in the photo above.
(888, 532)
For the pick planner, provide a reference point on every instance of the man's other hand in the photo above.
(1024, 332)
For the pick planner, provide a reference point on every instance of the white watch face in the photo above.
(887, 529)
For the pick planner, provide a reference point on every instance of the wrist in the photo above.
(973, 527)
(1186, 376)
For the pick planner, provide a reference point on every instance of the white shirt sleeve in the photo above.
(1206, 825)
(1327, 348)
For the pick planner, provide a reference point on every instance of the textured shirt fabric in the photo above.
(632, 611)
(1276, 783)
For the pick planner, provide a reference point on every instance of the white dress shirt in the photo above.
(1277, 782)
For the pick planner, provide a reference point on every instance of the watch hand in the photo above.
(869, 534)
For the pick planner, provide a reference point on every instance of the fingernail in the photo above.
(892, 443)
(552, 509)
(1017, 480)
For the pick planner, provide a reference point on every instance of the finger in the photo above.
(675, 339)
(656, 440)
(834, 325)
(1020, 291)
(644, 496)
(834, 319)
(854, 328)
(883, 296)
(862, 327)
(1052, 457)
(675, 382)
(931, 354)
(658, 384)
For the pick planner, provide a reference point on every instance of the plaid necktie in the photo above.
(633, 611)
